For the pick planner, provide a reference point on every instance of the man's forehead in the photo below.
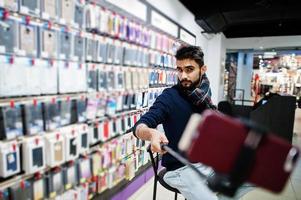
(186, 63)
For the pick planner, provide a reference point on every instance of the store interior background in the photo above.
(276, 60)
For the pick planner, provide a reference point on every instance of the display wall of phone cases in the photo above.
(32, 118)
(9, 33)
(52, 115)
(48, 77)
(49, 45)
(66, 11)
(65, 45)
(79, 48)
(71, 143)
(55, 145)
(79, 14)
(49, 9)
(9, 158)
(28, 40)
(31, 7)
(33, 150)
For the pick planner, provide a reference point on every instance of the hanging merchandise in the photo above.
(111, 106)
(79, 47)
(128, 78)
(104, 18)
(101, 107)
(92, 78)
(32, 73)
(32, 117)
(65, 44)
(119, 79)
(102, 49)
(96, 163)
(91, 17)
(91, 47)
(65, 111)
(145, 99)
(78, 74)
(55, 183)
(28, 36)
(93, 133)
(12, 77)
(83, 138)
(66, 8)
(48, 76)
(110, 51)
(70, 175)
(102, 78)
(21, 190)
(49, 9)
(80, 109)
(118, 54)
(10, 121)
(38, 187)
(33, 151)
(48, 42)
(85, 173)
(135, 79)
(10, 4)
(127, 54)
(9, 158)
(71, 143)
(9, 34)
(30, 7)
(119, 106)
(72, 77)
(111, 78)
(52, 114)
(79, 15)
(92, 106)
(126, 104)
(55, 146)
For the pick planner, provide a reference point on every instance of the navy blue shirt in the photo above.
(172, 109)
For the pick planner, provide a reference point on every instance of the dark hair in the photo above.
(191, 52)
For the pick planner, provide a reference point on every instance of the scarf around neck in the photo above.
(201, 95)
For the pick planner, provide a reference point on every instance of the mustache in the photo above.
(185, 80)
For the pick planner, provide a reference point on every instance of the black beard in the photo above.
(191, 87)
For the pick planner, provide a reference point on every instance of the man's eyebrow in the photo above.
(187, 66)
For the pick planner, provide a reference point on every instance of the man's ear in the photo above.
(203, 69)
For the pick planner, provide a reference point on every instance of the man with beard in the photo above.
(173, 109)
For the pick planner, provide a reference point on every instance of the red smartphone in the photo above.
(215, 139)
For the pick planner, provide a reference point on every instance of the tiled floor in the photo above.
(292, 190)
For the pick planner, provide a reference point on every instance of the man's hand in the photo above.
(157, 138)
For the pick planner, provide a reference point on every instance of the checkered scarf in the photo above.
(202, 94)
